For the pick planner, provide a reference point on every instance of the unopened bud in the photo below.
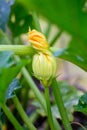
(37, 40)
(44, 67)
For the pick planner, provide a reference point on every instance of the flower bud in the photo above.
(37, 40)
(44, 67)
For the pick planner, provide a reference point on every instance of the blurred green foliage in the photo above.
(75, 53)
(68, 15)
(8, 60)
(13, 86)
(19, 20)
(6, 76)
(82, 104)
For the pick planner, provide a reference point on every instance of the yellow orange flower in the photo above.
(37, 40)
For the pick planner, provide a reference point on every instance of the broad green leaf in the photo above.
(67, 14)
(75, 53)
(6, 76)
(82, 104)
(3, 38)
(4, 12)
(70, 16)
(20, 20)
(6, 59)
(70, 95)
(14, 85)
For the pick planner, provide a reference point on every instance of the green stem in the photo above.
(36, 23)
(10, 116)
(55, 38)
(60, 105)
(49, 113)
(23, 114)
(34, 87)
(36, 91)
(56, 123)
(25, 97)
(38, 94)
(18, 49)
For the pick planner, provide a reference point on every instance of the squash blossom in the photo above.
(43, 64)
(44, 67)
(37, 40)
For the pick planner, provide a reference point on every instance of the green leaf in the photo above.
(70, 94)
(4, 12)
(20, 20)
(70, 16)
(75, 53)
(57, 114)
(6, 59)
(14, 85)
(82, 104)
(6, 76)
(67, 14)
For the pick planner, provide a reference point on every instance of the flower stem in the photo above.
(11, 118)
(18, 49)
(34, 87)
(31, 82)
(36, 91)
(49, 113)
(23, 114)
(60, 105)
(38, 94)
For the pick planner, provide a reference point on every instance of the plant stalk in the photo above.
(60, 105)
(23, 114)
(18, 49)
(36, 91)
(32, 85)
(38, 94)
(34, 88)
(31, 82)
(11, 118)
(49, 113)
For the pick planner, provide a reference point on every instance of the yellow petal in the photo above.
(37, 40)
